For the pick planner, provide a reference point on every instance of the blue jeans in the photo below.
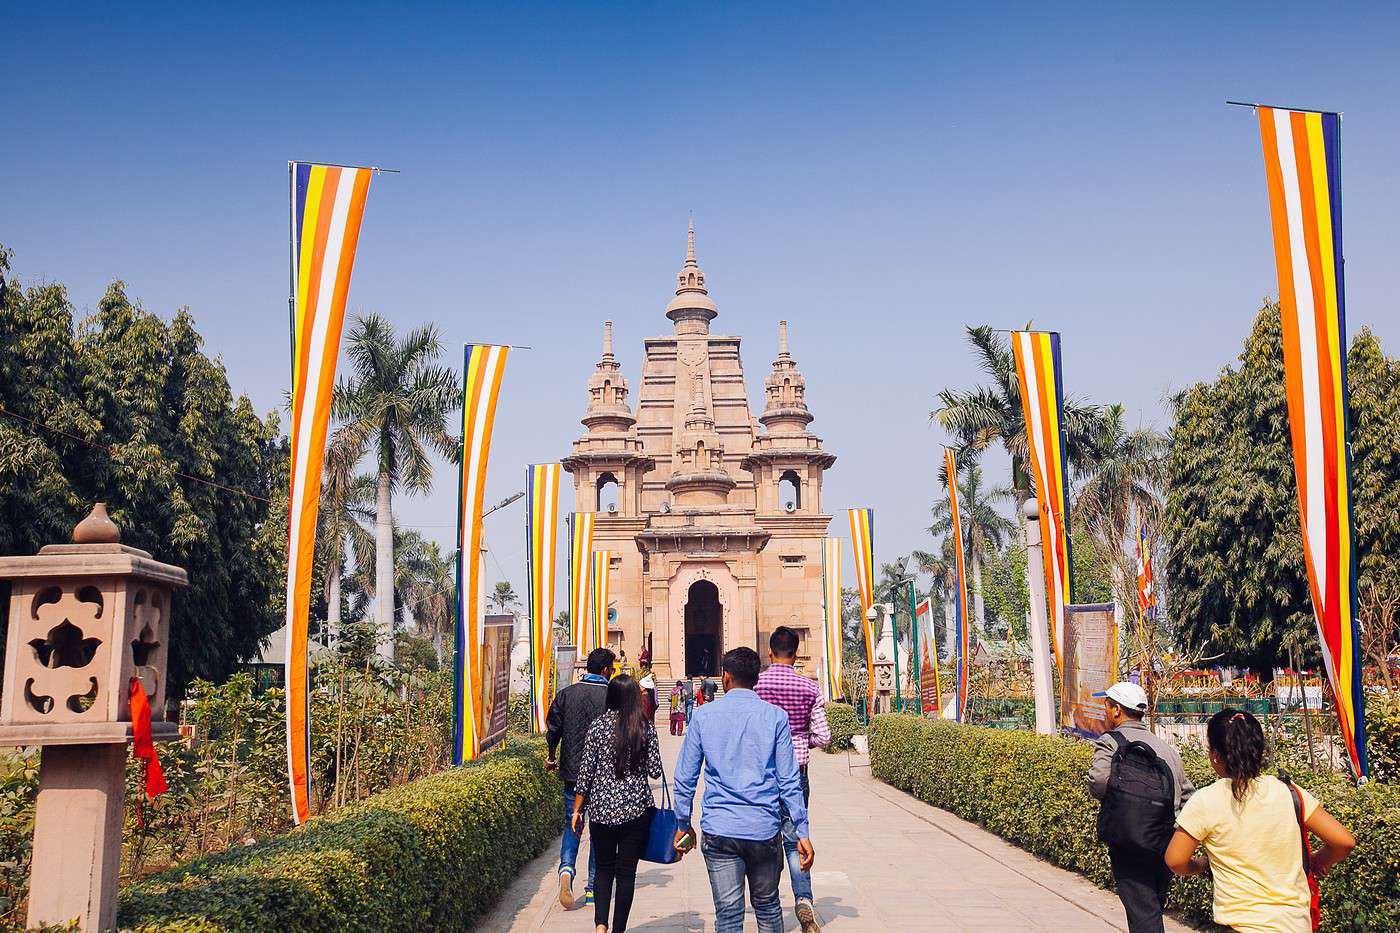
(801, 881)
(568, 848)
(732, 861)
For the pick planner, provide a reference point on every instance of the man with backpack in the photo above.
(1142, 785)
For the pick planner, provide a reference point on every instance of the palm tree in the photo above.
(983, 527)
(344, 511)
(985, 416)
(1122, 475)
(395, 408)
(425, 585)
(504, 598)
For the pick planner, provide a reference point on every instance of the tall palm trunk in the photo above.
(333, 603)
(950, 619)
(384, 566)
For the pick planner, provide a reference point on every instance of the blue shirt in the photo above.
(745, 748)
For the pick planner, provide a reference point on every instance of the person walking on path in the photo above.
(802, 700)
(648, 683)
(677, 709)
(571, 714)
(688, 697)
(744, 747)
(619, 753)
(1139, 873)
(1252, 828)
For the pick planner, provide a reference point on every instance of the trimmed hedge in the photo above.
(844, 724)
(433, 854)
(1029, 789)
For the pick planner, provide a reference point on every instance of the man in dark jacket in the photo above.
(572, 712)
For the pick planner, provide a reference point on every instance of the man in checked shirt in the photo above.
(801, 699)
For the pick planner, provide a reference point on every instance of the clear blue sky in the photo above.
(876, 174)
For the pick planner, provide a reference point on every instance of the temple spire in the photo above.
(783, 352)
(607, 340)
(692, 309)
(690, 245)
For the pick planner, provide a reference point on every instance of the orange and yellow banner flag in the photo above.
(1302, 161)
(483, 367)
(580, 574)
(832, 640)
(1039, 376)
(962, 646)
(542, 542)
(863, 547)
(602, 572)
(328, 203)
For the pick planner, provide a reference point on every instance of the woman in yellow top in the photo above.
(1250, 832)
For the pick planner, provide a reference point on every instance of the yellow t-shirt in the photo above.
(1256, 853)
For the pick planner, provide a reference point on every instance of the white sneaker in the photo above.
(566, 890)
(807, 916)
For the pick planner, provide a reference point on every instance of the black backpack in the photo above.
(1139, 808)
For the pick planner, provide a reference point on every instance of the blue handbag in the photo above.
(661, 836)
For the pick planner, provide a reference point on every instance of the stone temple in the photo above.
(714, 517)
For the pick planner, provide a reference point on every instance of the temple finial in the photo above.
(690, 244)
(783, 339)
(607, 340)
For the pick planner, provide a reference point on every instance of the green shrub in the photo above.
(1029, 789)
(433, 854)
(844, 724)
(1383, 736)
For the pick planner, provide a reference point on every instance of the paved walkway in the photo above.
(885, 861)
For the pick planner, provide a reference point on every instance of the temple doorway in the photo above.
(703, 618)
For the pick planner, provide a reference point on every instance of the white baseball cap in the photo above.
(1127, 695)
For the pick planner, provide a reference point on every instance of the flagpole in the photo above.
(292, 264)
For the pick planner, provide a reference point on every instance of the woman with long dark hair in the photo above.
(1249, 824)
(618, 754)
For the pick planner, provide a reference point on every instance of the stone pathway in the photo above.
(885, 861)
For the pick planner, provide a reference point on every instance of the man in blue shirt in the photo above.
(744, 747)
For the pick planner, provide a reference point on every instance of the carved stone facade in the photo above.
(714, 517)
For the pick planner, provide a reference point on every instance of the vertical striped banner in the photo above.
(831, 618)
(483, 367)
(580, 551)
(1038, 372)
(1302, 160)
(327, 205)
(541, 547)
(863, 546)
(601, 568)
(962, 647)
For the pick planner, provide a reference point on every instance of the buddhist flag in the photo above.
(580, 552)
(1147, 592)
(483, 367)
(601, 569)
(327, 204)
(962, 646)
(541, 546)
(831, 618)
(1302, 160)
(1038, 372)
(863, 545)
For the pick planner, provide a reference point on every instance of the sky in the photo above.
(879, 175)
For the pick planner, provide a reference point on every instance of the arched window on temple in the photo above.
(607, 493)
(789, 491)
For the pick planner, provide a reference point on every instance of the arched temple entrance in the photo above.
(703, 624)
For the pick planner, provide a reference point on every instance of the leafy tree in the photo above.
(395, 406)
(1007, 596)
(852, 628)
(425, 587)
(346, 507)
(983, 529)
(1235, 555)
(125, 408)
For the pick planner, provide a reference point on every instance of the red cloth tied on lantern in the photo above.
(142, 746)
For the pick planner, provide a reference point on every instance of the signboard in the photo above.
(1090, 654)
(564, 656)
(929, 700)
(495, 680)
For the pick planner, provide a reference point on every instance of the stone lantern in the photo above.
(84, 619)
